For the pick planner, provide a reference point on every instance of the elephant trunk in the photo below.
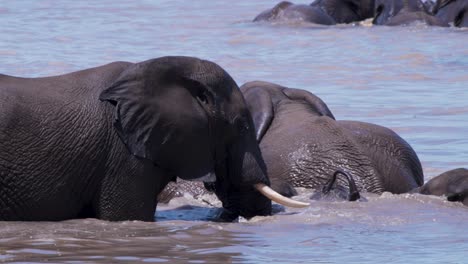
(243, 185)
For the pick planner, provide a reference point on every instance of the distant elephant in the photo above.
(346, 11)
(103, 142)
(289, 12)
(453, 184)
(303, 145)
(404, 12)
(452, 11)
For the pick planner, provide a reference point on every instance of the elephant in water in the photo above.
(289, 12)
(452, 11)
(324, 12)
(453, 184)
(304, 146)
(103, 142)
(346, 11)
(404, 12)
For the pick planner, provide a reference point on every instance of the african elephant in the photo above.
(289, 12)
(452, 11)
(303, 145)
(453, 184)
(404, 12)
(346, 11)
(103, 142)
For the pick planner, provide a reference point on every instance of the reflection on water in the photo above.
(411, 79)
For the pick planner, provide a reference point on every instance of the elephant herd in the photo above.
(104, 143)
(383, 12)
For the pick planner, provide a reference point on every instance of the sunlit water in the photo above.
(411, 79)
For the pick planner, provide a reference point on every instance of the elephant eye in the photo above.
(199, 91)
(202, 97)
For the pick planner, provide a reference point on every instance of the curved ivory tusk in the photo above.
(276, 197)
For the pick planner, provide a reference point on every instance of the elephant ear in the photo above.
(141, 118)
(260, 107)
(316, 104)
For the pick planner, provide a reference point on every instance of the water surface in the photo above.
(411, 79)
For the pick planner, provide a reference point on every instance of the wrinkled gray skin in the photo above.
(346, 11)
(103, 142)
(289, 12)
(404, 12)
(452, 11)
(303, 145)
(453, 184)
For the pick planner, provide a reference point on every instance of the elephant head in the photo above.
(453, 184)
(262, 96)
(188, 117)
(273, 13)
(347, 11)
(287, 11)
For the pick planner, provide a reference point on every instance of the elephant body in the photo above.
(303, 145)
(289, 12)
(103, 142)
(404, 12)
(452, 11)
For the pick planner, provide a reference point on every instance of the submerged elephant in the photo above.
(404, 12)
(103, 142)
(288, 12)
(303, 145)
(346, 11)
(452, 11)
(325, 12)
(453, 184)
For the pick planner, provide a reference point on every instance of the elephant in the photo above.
(346, 11)
(404, 12)
(453, 184)
(289, 12)
(303, 144)
(103, 142)
(452, 11)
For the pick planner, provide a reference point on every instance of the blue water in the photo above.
(411, 79)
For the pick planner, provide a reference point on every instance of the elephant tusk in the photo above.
(276, 197)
